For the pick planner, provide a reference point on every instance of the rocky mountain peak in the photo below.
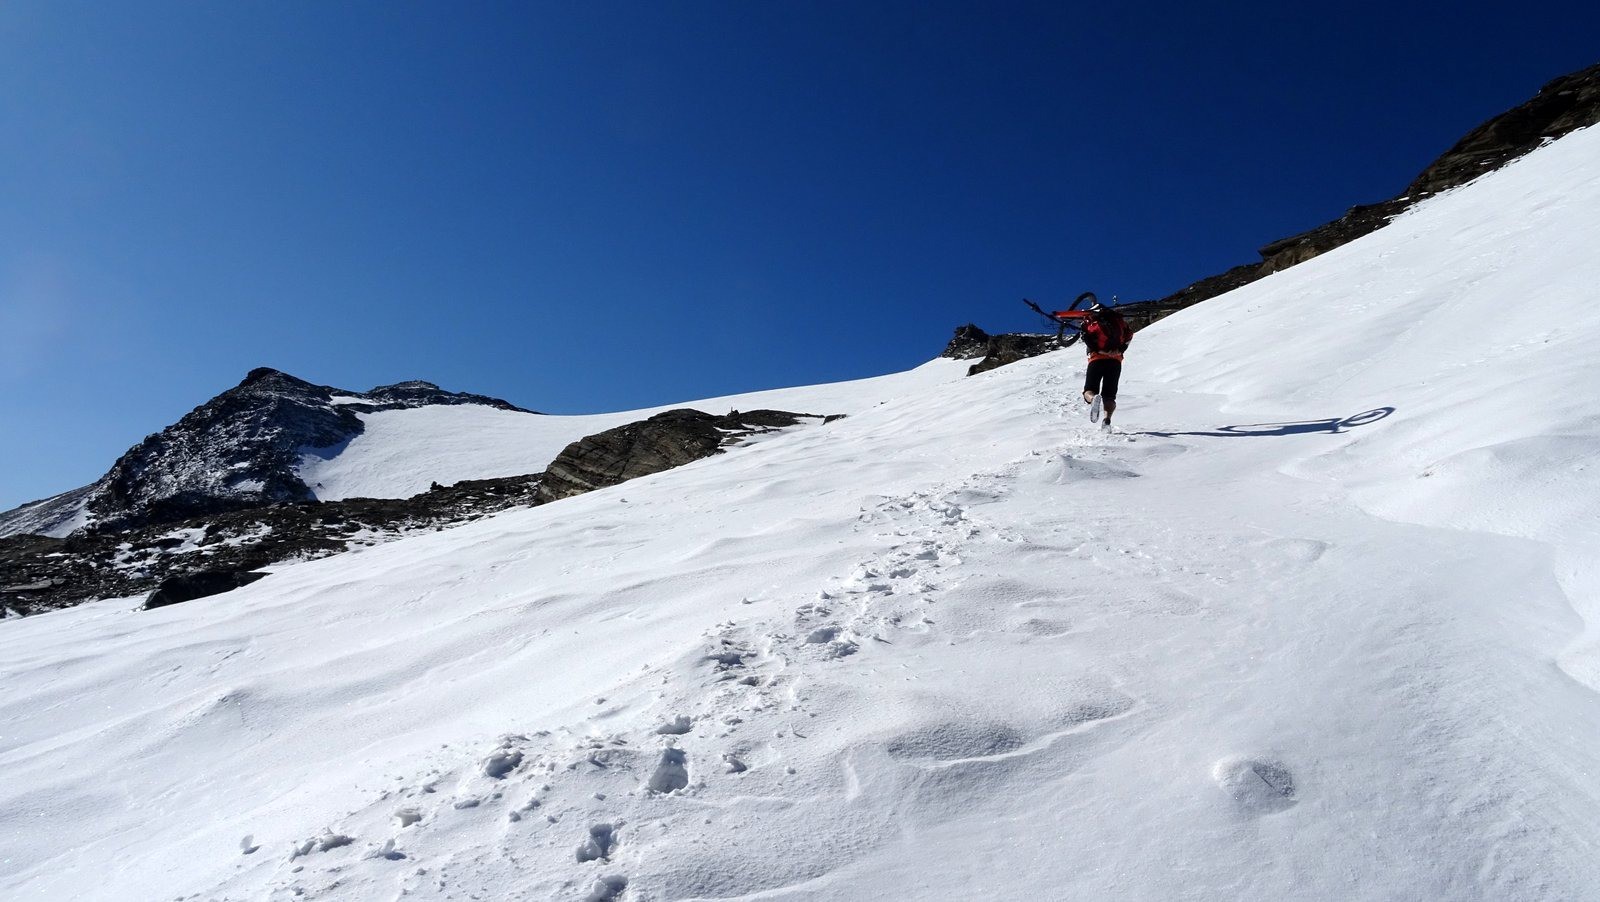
(968, 342)
(417, 393)
(268, 374)
(238, 451)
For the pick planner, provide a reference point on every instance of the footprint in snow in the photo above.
(501, 762)
(387, 851)
(1044, 628)
(326, 842)
(842, 648)
(672, 772)
(955, 740)
(1258, 786)
(1299, 551)
(822, 635)
(606, 889)
(597, 847)
(678, 726)
(1067, 469)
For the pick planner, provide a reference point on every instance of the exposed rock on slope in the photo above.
(417, 393)
(971, 342)
(1011, 347)
(666, 440)
(43, 573)
(201, 584)
(968, 343)
(237, 451)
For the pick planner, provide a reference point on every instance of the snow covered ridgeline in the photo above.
(955, 646)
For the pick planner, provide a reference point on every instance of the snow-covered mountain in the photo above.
(1319, 621)
(275, 438)
(247, 447)
(378, 485)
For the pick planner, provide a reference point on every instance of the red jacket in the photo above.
(1104, 340)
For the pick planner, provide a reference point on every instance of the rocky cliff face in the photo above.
(237, 451)
(995, 351)
(968, 343)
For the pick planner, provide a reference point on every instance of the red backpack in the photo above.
(1106, 332)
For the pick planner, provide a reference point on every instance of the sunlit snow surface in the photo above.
(402, 452)
(956, 646)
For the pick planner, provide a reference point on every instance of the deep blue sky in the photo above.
(591, 206)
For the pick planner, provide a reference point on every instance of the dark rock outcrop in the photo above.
(995, 351)
(200, 584)
(664, 441)
(417, 393)
(1142, 313)
(1011, 347)
(1564, 105)
(968, 343)
(44, 574)
(238, 451)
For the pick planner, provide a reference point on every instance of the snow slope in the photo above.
(57, 516)
(956, 646)
(402, 452)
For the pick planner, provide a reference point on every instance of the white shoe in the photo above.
(1094, 410)
(1106, 426)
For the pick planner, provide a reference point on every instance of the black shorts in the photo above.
(1102, 377)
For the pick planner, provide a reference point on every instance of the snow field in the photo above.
(959, 645)
(1472, 315)
(401, 452)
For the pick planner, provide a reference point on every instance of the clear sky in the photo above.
(584, 206)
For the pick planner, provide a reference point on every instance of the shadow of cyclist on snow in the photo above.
(1304, 427)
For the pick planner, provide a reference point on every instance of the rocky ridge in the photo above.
(1563, 105)
(238, 451)
(666, 440)
(994, 351)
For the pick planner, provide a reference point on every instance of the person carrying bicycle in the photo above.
(1105, 337)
